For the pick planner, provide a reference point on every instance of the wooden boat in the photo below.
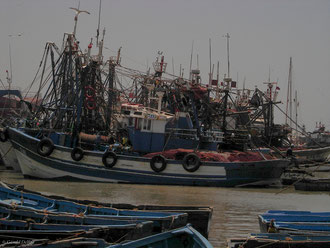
(301, 217)
(8, 156)
(162, 221)
(303, 228)
(317, 154)
(277, 240)
(57, 163)
(110, 233)
(311, 184)
(182, 237)
(52, 218)
(198, 216)
(62, 243)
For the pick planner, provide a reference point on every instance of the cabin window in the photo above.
(138, 113)
(130, 121)
(138, 123)
(144, 124)
(126, 112)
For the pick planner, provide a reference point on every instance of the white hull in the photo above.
(8, 156)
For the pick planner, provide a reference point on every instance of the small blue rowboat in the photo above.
(182, 237)
(110, 233)
(302, 227)
(278, 240)
(17, 199)
(290, 216)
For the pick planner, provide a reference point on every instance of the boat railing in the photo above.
(182, 133)
(212, 136)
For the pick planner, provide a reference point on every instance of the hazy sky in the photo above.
(264, 33)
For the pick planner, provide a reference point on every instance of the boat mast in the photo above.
(228, 63)
(78, 11)
(226, 90)
(98, 26)
(191, 57)
(288, 112)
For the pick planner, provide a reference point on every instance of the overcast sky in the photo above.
(264, 34)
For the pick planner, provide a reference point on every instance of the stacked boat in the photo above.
(281, 228)
(29, 217)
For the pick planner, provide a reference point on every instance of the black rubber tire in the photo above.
(77, 154)
(4, 135)
(45, 147)
(191, 162)
(158, 159)
(106, 156)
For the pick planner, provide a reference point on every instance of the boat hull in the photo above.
(8, 156)
(135, 169)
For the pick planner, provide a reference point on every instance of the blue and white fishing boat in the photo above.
(76, 123)
(41, 158)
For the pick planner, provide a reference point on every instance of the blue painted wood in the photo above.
(183, 237)
(162, 220)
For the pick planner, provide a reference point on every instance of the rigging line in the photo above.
(2, 83)
(41, 62)
(301, 131)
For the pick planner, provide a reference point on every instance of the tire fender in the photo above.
(109, 155)
(77, 154)
(158, 159)
(45, 147)
(191, 162)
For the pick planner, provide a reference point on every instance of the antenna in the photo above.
(173, 67)
(78, 11)
(210, 75)
(197, 62)
(192, 49)
(227, 36)
(98, 26)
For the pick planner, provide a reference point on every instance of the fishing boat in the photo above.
(82, 112)
(162, 220)
(313, 184)
(13, 107)
(182, 237)
(57, 163)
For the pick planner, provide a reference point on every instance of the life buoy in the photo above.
(155, 161)
(77, 154)
(4, 135)
(191, 162)
(90, 104)
(108, 155)
(45, 147)
(89, 92)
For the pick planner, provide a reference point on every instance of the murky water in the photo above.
(235, 210)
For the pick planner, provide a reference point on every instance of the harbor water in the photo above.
(235, 209)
